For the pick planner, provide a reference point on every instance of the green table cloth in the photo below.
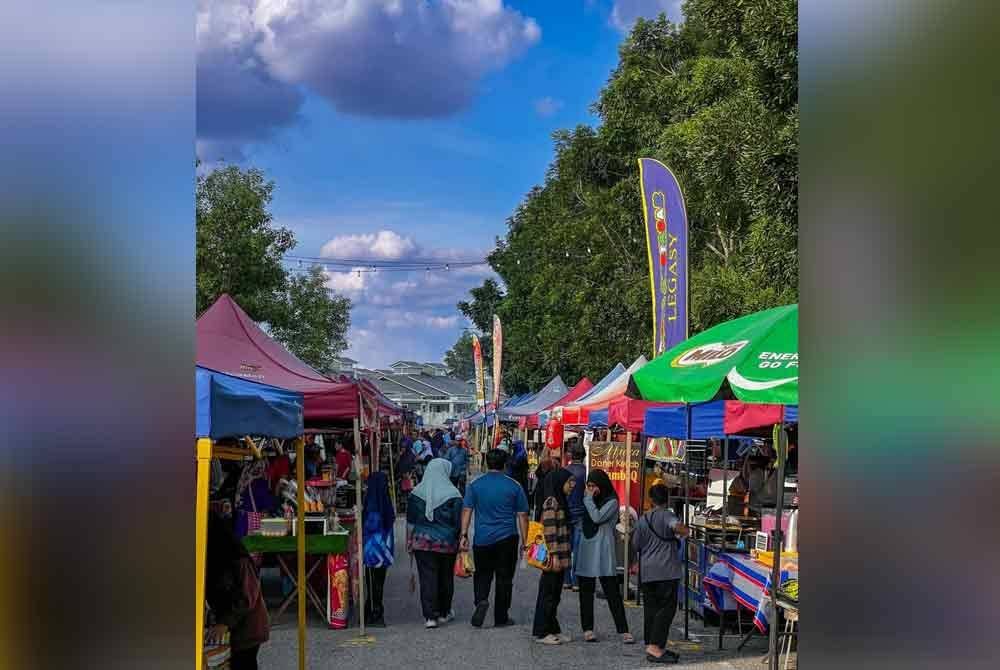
(315, 544)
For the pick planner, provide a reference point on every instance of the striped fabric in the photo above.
(557, 535)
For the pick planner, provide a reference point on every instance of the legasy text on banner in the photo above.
(667, 249)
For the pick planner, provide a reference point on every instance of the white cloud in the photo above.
(383, 245)
(625, 12)
(398, 315)
(547, 106)
(375, 58)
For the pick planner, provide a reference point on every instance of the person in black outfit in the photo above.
(232, 589)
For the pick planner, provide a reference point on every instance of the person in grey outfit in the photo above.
(656, 542)
(596, 556)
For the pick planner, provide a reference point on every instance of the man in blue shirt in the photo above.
(576, 510)
(501, 510)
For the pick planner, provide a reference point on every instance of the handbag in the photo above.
(464, 567)
(406, 484)
(537, 555)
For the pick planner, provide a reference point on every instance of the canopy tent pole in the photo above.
(781, 445)
(725, 525)
(687, 521)
(203, 452)
(628, 505)
(300, 548)
(358, 529)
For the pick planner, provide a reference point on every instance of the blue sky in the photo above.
(396, 129)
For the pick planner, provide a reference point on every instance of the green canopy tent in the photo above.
(757, 355)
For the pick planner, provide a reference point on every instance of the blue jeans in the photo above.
(577, 533)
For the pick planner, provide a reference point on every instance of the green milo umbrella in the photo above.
(758, 354)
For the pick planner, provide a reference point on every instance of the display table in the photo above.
(336, 543)
(748, 581)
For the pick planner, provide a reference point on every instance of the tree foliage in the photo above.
(316, 321)
(240, 252)
(459, 358)
(716, 100)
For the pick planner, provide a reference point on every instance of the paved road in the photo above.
(406, 644)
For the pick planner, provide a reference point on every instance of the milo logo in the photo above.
(708, 354)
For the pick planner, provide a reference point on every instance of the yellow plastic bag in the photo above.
(538, 553)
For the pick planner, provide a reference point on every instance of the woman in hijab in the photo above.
(596, 557)
(379, 544)
(232, 589)
(556, 524)
(433, 524)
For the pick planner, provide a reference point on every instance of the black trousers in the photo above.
(658, 607)
(550, 587)
(437, 582)
(374, 588)
(245, 659)
(610, 587)
(498, 559)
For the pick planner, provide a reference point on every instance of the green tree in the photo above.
(714, 98)
(459, 358)
(238, 251)
(315, 322)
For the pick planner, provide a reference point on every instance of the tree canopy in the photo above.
(240, 252)
(715, 99)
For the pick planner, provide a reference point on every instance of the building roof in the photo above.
(424, 386)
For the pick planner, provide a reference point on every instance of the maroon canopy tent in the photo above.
(229, 341)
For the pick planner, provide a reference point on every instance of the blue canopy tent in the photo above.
(228, 406)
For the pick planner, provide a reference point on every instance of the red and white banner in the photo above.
(497, 357)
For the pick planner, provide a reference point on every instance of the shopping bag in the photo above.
(464, 566)
(538, 553)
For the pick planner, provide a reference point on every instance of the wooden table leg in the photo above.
(291, 596)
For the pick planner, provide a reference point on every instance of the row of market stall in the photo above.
(254, 395)
(715, 417)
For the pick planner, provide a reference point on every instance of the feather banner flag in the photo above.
(477, 356)
(497, 355)
(667, 248)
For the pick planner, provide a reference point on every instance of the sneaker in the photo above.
(442, 620)
(549, 639)
(480, 614)
(430, 623)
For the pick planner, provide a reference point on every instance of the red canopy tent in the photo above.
(229, 341)
(584, 385)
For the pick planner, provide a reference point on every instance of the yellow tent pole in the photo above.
(203, 450)
(300, 549)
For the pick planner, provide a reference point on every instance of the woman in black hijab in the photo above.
(556, 525)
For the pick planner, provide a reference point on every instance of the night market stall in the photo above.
(230, 408)
(738, 378)
(324, 505)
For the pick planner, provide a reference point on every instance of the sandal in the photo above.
(588, 636)
(627, 638)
